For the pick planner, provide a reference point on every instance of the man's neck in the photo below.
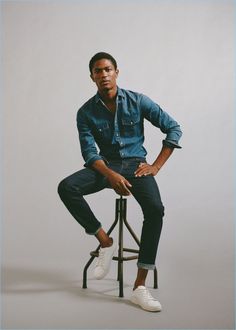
(108, 96)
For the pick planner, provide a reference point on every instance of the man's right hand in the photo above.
(119, 183)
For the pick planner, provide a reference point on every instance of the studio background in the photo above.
(179, 53)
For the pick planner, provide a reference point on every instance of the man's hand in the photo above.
(119, 184)
(117, 181)
(146, 169)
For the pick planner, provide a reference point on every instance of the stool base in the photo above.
(120, 217)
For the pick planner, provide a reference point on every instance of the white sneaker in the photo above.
(104, 261)
(142, 297)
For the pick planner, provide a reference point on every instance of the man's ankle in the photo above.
(138, 284)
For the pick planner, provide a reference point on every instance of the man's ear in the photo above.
(91, 76)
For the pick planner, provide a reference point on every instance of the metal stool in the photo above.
(120, 216)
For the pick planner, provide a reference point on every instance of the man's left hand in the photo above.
(146, 169)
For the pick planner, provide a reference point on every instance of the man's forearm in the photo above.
(162, 157)
(102, 168)
(147, 169)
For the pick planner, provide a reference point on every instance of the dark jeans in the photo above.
(144, 189)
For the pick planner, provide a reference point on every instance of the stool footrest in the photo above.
(125, 258)
(95, 254)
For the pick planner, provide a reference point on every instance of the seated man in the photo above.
(113, 121)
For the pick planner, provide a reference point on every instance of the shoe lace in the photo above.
(100, 259)
(147, 295)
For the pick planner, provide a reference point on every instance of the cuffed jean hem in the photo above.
(146, 266)
(95, 233)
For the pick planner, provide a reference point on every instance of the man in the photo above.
(113, 121)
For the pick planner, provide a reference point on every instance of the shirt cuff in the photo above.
(171, 144)
(92, 160)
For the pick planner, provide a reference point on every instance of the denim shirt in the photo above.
(121, 135)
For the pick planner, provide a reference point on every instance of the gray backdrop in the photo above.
(179, 53)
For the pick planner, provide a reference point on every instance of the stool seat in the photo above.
(120, 217)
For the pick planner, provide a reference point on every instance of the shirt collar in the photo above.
(120, 93)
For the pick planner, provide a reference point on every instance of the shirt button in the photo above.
(117, 134)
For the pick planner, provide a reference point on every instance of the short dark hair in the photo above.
(100, 56)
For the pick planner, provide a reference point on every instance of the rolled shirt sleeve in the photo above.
(87, 143)
(161, 119)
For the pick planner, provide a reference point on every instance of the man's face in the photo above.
(104, 75)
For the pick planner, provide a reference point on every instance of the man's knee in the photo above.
(159, 209)
(61, 188)
(155, 208)
(64, 188)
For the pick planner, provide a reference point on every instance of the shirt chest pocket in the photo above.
(103, 131)
(130, 125)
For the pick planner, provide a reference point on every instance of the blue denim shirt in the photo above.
(121, 135)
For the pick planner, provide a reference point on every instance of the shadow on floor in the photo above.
(24, 280)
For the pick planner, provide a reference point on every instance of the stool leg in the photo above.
(92, 258)
(122, 210)
(118, 212)
(121, 290)
(131, 231)
(85, 272)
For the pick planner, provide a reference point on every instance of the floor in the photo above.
(50, 296)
